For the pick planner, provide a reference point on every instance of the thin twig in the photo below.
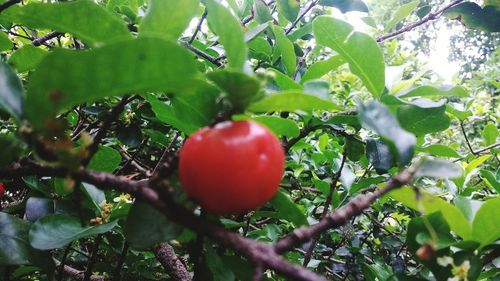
(299, 18)
(466, 138)
(39, 41)
(198, 27)
(93, 257)
(7, 4)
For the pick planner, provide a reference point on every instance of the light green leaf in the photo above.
(279, 126)
(240, 88)
(284, 82)
(66, 78)
(262, 12)
(230, 33)
(106, 159)
(291, 101)
(491, 180)
(284, 48)
(57, 231)
(439, 150)
(287, 209)
(26, 58)
(376, 116)
(421, 121)
(289, 9)
(485, 228)
(168, 18)
(321, 68)
(476, 163)
(360, 50)
(490, 134)
(11, 92)
(401, 13)
(430, 204)
(84, 19)
(434, 91)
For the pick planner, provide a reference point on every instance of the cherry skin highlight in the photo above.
(231, 168)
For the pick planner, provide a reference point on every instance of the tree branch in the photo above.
(429, 17)
(77, 274)
(7, 4)
(299, 18)
(169, 260)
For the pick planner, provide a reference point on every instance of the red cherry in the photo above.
(2, 189)
(232, 168)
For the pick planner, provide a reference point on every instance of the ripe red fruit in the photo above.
(232, 168)
(2, 189)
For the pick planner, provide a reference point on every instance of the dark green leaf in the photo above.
(11, 92)
(240, 88)
(360, 50)
(10, 149)
(474, 17)
(85, 19)
(130, 135)
(38, 207)
(66, 78)
(56, 231)
(375, 116)
(346, 5)
(5, 43)
(94, 195)
(168, 18)
(230, 33)
(26, 58)
(321, 68)
(287, 209)
(379, 155)
(424, 11)
(354, 149)
(421, 121)
(106, 159)
(216, 265)
(292, 101)
(147, 226)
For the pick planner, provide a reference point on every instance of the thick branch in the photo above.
(77, 274)
(8, 4)
(169, 260)
(429, 17)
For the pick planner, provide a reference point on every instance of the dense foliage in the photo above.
(391, 170)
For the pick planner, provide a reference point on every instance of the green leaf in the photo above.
(423, 11)
(216, 265)
(460, 115)
(438, 169)
(15, 248)
(321, 68)
(26, 58)
(106, 159)
(95, 196)
(429, 203)
(284, 82)
(401, 13)
(10, 149)
(490, 134)
(439, 150)
(354, 149)
(147, 226)
(379, 155)
(129, 135)
(289, 9)
(476, 163)
(11, 92)
(292, 101)
(490, 178)
(57, 231)
(84, 19)
(262, 12)
(474, 17)
(279, 126)
(240, 88)
(432, 91)
(360, 50)
(5, 43)
(66, 78)
(287, 209)
(284, 48)
(485, 228)
(168, 18)
(421, 121)
(230, 33)
(346, 5)
(377, 117)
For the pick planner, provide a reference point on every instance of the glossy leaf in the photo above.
(147, 226)
(66, 78)
(421, 121)
(240, 88)
(401, 13)
(231, 36)
(287, 209)
(321, 68)
(377, 117)
(26, 58)
(289, 9)
(106, 159)
(56, 231)
(279, 126)
(284, 49)
(358, 49)
(11, 92)
(485, 228)
(168, 18)
(292, 101)
(474, 17)
(346, 5)
(432, 91)
(84, 19)
(129, 135)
